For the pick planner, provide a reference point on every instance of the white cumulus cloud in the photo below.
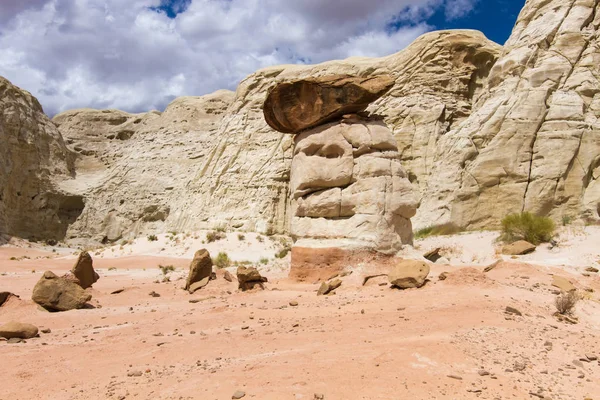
(125, 54)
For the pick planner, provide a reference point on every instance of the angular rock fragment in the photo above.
(408, 274)
(200, 268)
(59, 294)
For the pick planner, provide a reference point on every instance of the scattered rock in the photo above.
(518, 248)
(591, 357)
(433, 255)
(200, 269)
(562, 283)
(46, 330)
(227, 276)
(292, 107)
(154, 294)
(483, 372)
(491, 266)
(249, 277)
(294, 303)
(84, 271)
(238, 394)
(118, 291)
(198, 285)
(59, 294)
(408, 274)
(14, 340)
(512, 310)
(443, 276)
(455, 377)
(18, 330)
(591, 269)
(329, 287)
(135, 373)
(319, 396)
(442, 261)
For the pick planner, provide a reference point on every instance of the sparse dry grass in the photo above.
(565, 302)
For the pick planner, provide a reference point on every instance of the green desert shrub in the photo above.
(222, 260)
(527, 226)
(152, 238)
(438, 230)
(166, 269)
(214, 236)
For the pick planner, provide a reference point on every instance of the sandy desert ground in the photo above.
(450, 339)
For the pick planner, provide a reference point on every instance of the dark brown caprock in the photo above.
(292, 107)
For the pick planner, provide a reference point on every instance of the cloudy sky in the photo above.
(138, 55)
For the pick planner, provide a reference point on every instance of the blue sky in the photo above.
(138, 55)
(495, 18)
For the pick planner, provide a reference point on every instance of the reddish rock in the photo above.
(292, 107)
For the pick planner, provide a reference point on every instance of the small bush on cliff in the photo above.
(527, 226)
(152, 238)
(438, 230)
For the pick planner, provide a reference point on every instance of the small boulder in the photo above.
(518, 248)
(59, 294)
(329, 287)
(227, 276)
(408, 274)
(84, 271)
(592, 269)
(200, 268)
(249, 277)
(18, 330)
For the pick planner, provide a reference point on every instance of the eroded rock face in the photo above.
(214, 161)
(33, 163)
(347, 183)
(532, 142)
(295, 106)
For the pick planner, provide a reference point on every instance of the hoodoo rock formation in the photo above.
(348, 190)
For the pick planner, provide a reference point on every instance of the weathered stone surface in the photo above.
(408, 274)
(137, 170)
(292, 107)
(84, 271)
(531, 142)
(347, 183)
(18, 330)
(59, 294)
(225, 167)
(563, 284)
(518, 248)
(200, 268)
(33, 161)
(249, 277)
